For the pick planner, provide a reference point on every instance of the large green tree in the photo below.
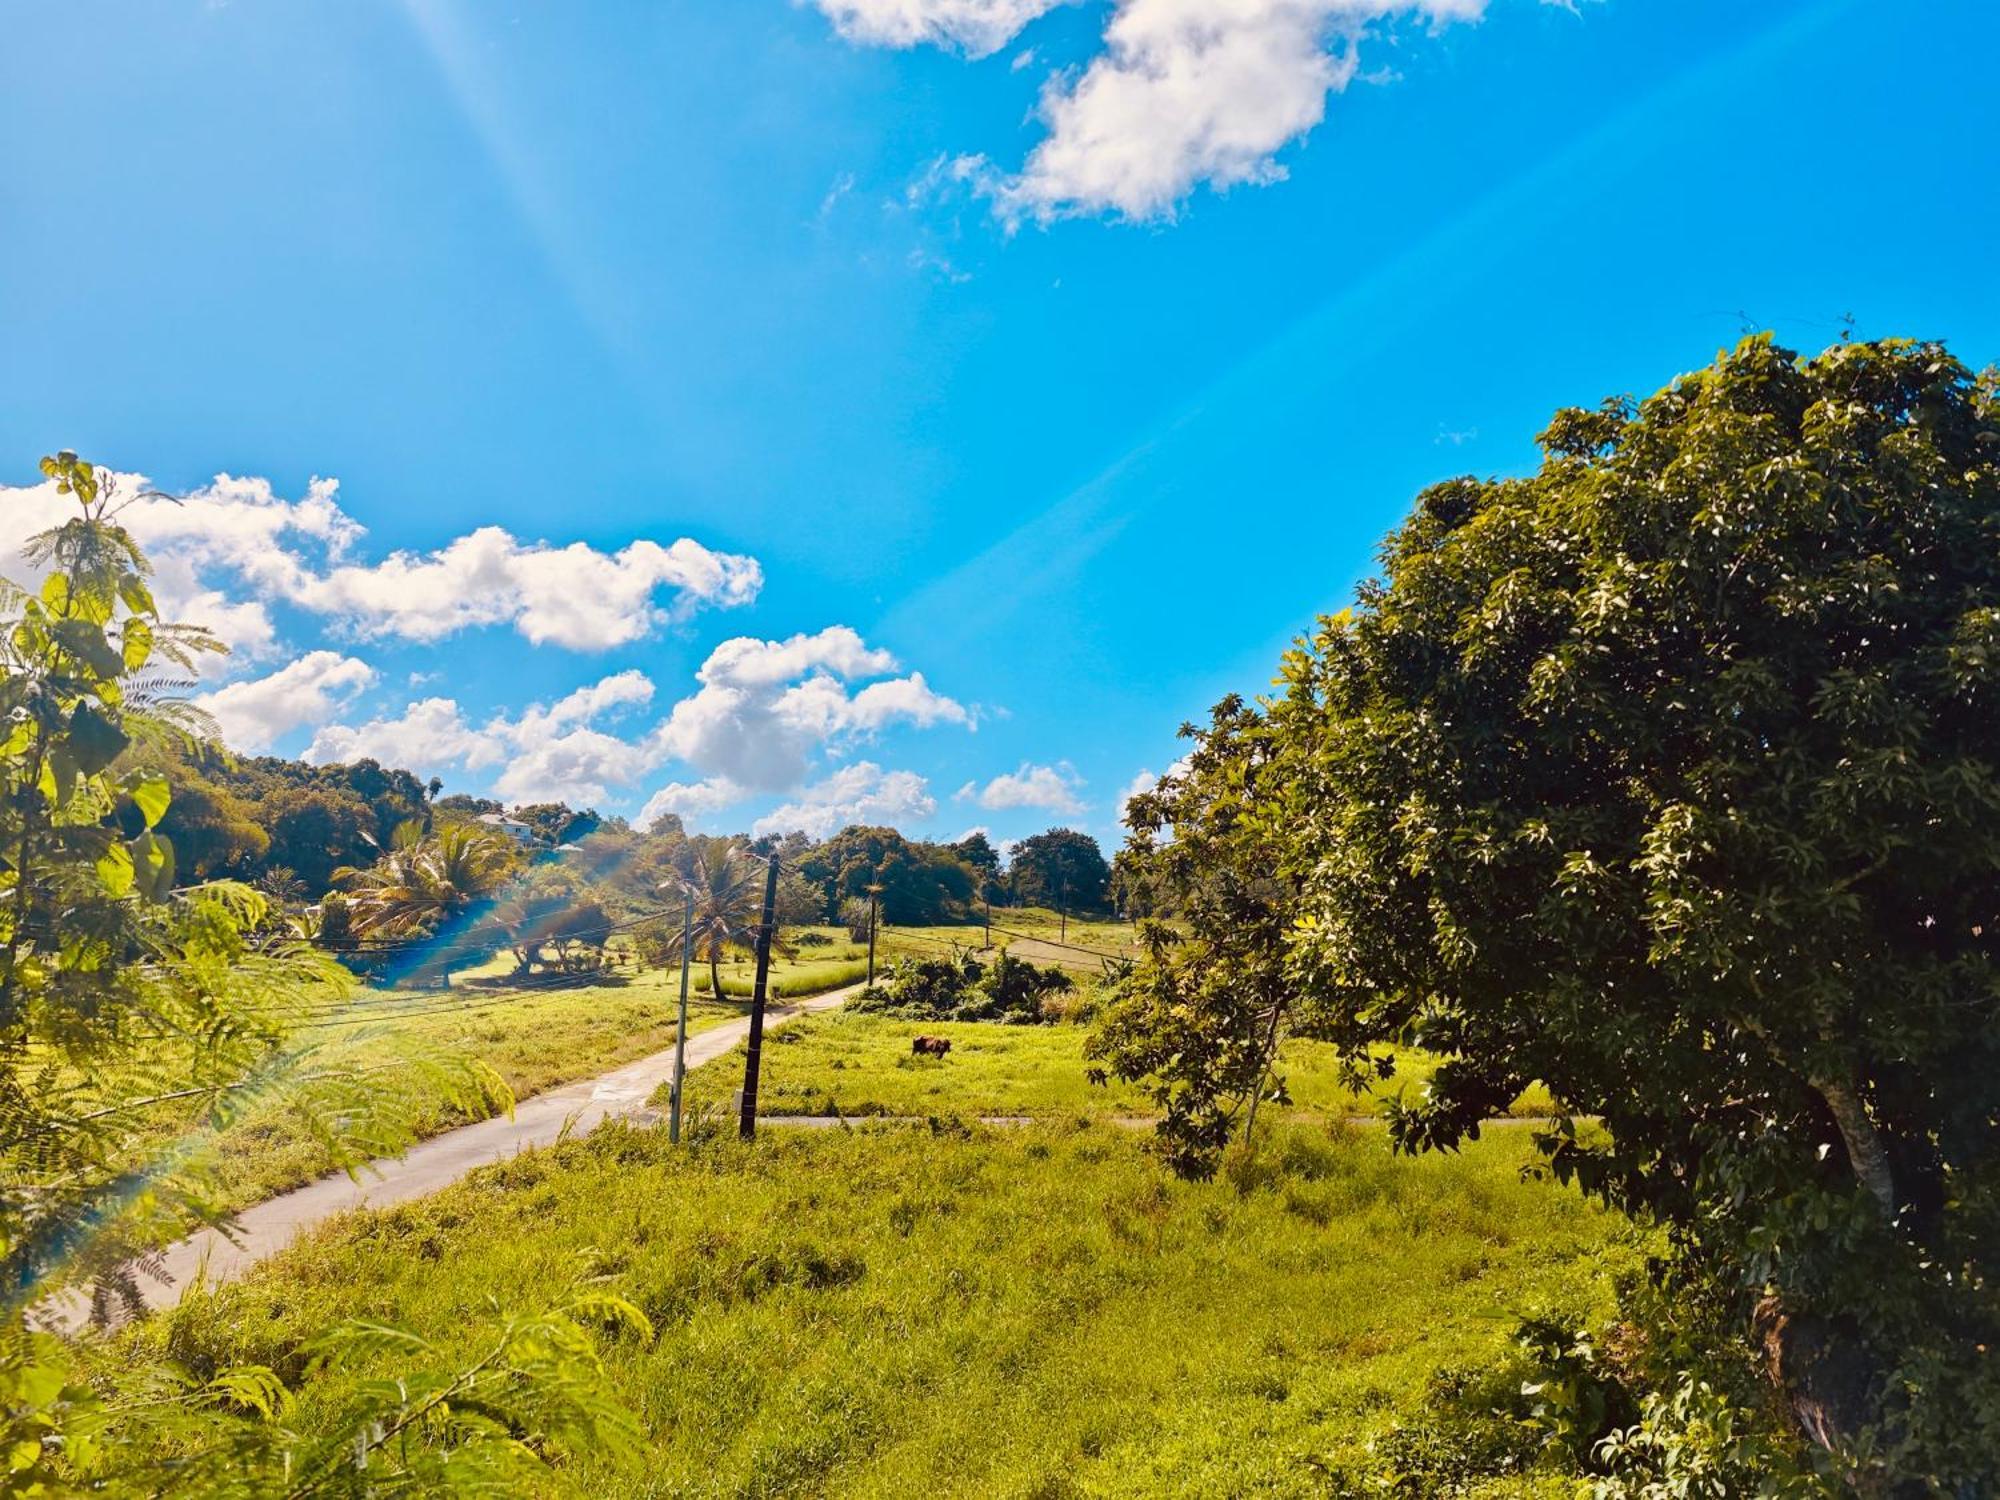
(1060, 868)
(917, 882)
(1669, 776)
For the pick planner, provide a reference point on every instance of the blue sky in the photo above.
(1021, 376)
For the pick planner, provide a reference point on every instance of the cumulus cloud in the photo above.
(572, 596)
(1183, 92)
(860, 793)
(557, 752)
(1145, 781)
(229, 551)
(690, 800)
(974, 27)
(428, 735)
(255, 714)
(764, 707)
(761, 712)
(1050, 788)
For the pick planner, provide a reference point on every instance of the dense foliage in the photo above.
(1061, 869)
(961, 988)
(1665, 776)
(241, 817)
(918, 883)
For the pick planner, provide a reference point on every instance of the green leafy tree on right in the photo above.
(1668, 776)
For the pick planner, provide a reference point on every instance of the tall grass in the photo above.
(814, 978)
(894, 1311)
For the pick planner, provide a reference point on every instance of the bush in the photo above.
(962, 989)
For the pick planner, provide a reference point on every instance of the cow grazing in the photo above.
(929, 1046)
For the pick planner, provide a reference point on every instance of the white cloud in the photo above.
(975, 27)
(255, 714)
(861, 793)
(1183, 92)
(1195, 91)
(1145, 781)
(573, 596)
(429, 735)
(762, 711)
(689, 801)
(764, 706)
(229, 551)
(1051, 788)
(547, 754)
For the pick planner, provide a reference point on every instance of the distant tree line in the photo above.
(375, 864)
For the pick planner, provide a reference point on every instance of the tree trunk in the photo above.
(1866, 1152)
(1824, 1368)
(714, 974)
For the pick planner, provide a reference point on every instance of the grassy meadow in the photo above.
(534, 1034)
(1034, 1312)
(1034, 933)
(854, 1064)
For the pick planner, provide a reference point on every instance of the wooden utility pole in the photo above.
(681, 1029)
(989, 918)
(874, 899)
(746, 1124)
(1062, 903)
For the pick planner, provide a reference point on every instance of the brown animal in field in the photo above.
(929, 1046)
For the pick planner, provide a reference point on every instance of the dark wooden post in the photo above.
(746, 1125)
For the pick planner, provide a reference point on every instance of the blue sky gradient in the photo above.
(594, 271)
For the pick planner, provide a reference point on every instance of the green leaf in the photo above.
(151, 793)
(153, 859)
(60, 774)
(84, 640)
(137, 639)
(138, 598)
(115, 871)
(94, 740)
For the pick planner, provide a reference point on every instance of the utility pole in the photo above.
(989, 918)
(746, 1124)
(1062, 902)
(874, 898)
(681, 1030)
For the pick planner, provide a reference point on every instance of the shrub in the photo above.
(962, 989)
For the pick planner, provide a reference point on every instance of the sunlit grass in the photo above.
(1032, 1312)
(535, 1034)
(855, 1064)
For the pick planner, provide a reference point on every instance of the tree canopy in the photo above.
(919, 882)
(1666, 776)
(1060, 868)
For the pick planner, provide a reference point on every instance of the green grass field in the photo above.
(856, 1064)
(536, 1037)
(1034, 933)
(1035, 1312)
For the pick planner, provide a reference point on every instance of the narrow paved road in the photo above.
(440, 1161)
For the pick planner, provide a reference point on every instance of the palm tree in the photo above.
(721, 880)
(427, 881)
